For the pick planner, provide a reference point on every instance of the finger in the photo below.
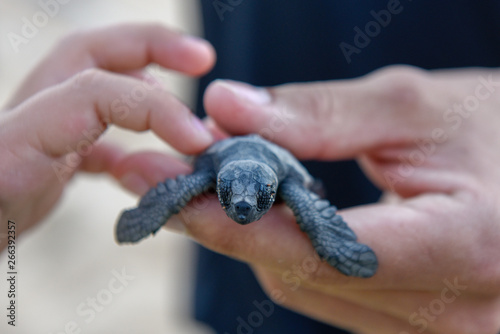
(432, 311)
(137, 172)
(330, 309)
(417, 243)
(336, 119)
(214, 129)
(120, 48)
(81, 114)
(102, 158)
(144, 75)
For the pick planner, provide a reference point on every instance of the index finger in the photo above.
(120, 48)
(132, 46)
(72, 116)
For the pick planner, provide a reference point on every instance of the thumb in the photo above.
(324, 120)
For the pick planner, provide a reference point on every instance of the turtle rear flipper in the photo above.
(332, 239)
(159, 204)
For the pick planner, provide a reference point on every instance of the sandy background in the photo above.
(68, 266)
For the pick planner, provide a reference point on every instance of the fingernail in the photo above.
(174, 224)
(135, 183)
(246, 92)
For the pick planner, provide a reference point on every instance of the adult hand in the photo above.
(89, 81)
(430, 139)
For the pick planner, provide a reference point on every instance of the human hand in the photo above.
(431, 140)
(90, 80)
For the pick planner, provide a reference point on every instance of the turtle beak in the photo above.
(243, 212)
(242, 220)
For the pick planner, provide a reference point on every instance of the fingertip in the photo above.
(202, 139)
(237, 107)
(207, 54)
(241, 92)
(191, 55)
(214, 129)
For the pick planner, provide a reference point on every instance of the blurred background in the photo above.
(71, 273)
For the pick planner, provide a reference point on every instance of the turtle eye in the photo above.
(224, 192)
(265, 197)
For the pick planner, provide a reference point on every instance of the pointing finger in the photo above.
(325, 120)
(105, 48)
(71, 116)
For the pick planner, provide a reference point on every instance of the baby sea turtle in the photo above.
(249, 173)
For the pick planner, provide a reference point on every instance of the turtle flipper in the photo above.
(333, 240)
(159, 204)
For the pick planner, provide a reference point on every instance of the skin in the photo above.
(439, 227)
(440, 224)
(87, 74)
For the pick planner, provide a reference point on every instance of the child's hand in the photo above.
(89, 81)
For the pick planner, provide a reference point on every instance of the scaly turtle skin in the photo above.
(249, 172)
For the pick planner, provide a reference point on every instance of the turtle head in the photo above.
(246, 190)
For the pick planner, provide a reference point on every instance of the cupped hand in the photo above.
(429, 139)
(91, 80)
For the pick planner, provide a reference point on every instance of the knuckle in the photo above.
(76, 42)
(72, 39)
(309, 109)
(316, 98)
(78, 88)
(401, 86)
(86, 78)
(158, 28)
(404, 73)
(320, 100)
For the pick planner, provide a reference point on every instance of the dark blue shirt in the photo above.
(266, 42)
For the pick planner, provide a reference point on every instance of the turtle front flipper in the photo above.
(159, 204)
(332, 239)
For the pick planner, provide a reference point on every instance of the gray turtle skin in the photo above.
(248, 173)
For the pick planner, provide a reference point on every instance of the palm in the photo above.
(436, 234)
